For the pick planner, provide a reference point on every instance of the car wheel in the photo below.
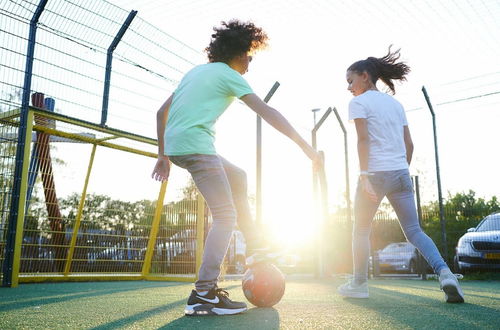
(413, 267)
(456, 266)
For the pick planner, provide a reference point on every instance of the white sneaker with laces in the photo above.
(449, 284)
(353, 290)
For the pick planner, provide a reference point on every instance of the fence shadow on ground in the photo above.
(51, 293)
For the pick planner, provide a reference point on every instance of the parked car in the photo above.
(236, 254)
(182, 245)
(479, 248)
(396, 257)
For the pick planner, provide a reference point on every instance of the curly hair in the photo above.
(384, 68)
(233, 39)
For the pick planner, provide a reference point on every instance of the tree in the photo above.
(462, 210)
(190, 192)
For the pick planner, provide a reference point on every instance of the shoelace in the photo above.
(221, 292)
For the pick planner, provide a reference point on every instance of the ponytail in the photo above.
(384, 68)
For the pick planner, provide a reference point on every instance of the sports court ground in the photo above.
(307, 304)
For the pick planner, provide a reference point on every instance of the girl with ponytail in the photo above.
(385, 150)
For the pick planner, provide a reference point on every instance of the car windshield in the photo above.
(490, 223)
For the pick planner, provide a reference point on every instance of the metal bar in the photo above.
(322, 120)
(49, 104)
(346, 159)
(109, 60)
(317, 176)
(422, 267)
(146, 266)
(323, 218)
(44, 158)
(7, 115)
(76, 225)
(86, 124)
(85, 277)
(258, 189)
(170, 278)
(8, 278)
(438, 175)
(22, 202)
(100, 142)
(200, 231)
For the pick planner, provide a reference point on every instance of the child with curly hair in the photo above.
(187, 140)
(385, 149)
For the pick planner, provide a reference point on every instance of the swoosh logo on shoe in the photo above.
(213, 301)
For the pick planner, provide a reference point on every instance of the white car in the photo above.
(396, 257)
(479, 248)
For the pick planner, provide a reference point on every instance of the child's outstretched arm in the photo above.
(279, 122)
(162, 167)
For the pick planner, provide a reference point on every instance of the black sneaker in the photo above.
(215, 302)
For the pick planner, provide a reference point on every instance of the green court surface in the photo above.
(307, 304)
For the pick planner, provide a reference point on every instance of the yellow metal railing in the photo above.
(157, 246)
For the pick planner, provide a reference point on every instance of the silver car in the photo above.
(479, 248)
(396, 257)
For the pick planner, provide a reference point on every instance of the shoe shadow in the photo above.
(254, 318)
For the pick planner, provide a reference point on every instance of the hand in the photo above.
(162, 169)
(316, 157)
(367, 188)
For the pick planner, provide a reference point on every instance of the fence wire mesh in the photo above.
(74, 43)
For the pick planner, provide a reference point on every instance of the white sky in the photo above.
(452, 46)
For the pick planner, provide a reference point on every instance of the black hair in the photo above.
(384, 68)
(233, 39)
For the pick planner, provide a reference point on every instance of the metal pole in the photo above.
(258, 190)
(314, 114)
(319, 272)
(109, 60)
(421, 265)
(346, 158)
(8, 264)
(438, 175)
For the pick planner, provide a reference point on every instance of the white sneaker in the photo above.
(353, 290)
(449, 284)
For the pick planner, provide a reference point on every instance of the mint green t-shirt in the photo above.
(202, 96)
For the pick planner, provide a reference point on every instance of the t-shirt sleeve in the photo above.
(402, 112)
(357, 110)
(237, 85)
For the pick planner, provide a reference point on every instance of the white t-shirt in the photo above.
(385, 119)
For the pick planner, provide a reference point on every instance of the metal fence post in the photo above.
(109, 60)
(258, 186)
(421, 266)
(78, 218)
(346, 157)
(200, 231)
(155, 225)
(438, 175)
(319, 271)
(17, 209)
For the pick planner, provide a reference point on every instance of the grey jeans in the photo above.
(224, 187)
(398, 188)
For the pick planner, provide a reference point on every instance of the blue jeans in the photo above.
(224, 187)
(398, 188)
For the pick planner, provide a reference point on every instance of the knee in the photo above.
(224, 216)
